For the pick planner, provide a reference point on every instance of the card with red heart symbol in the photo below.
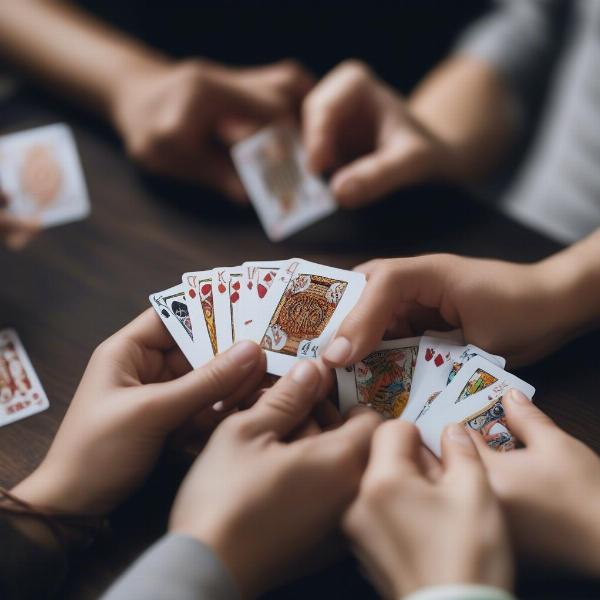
(227, 286)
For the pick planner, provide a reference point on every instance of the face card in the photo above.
(438, 363)
(381, 380)
(201, 308)
(307, 304)
(227, 283)
(257, 280)
(490, 423)
(21, 393)
(286, 196)
(42, 176)
(171, 306)
(474, 391)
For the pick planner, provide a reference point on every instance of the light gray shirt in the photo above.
(179, 567)
(549, 48)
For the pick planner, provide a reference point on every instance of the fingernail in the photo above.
(338, 351)
(219, 406)
(458, 434)
(517, 397)
(244, 353)
(305, 374)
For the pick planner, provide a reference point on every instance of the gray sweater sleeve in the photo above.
(520, 39)
(177, 567)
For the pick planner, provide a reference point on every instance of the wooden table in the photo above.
(77, 284)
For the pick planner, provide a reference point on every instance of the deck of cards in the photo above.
(290, 308)
(21, 393)
(41, 175)
(286, 196)
(432, 381)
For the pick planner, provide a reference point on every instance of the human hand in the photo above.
(180, 119)
(136, 390)
(270, 484)
(550, 489)
(15, 232)
(361, 129)
(414, 528)
(517, 311)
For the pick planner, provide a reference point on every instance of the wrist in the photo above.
(130, 80)
(570, 285)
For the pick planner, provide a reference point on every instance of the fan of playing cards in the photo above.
(293, 307)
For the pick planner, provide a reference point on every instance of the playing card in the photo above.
(305, 306)
(42, 176)
(201, 308)
(227, 283)
(438, 363)
(286, 196)
(471, 398)
(171, 306)
(381, 380)
(257, 280)
(21, 393)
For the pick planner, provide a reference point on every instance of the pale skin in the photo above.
(520, 311)
(15, 232)
(176, 118)
(456, 126)
(406, 522)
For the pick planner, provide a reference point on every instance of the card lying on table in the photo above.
(291, 308)
(41, 174)
(286, 196)
(21, 393)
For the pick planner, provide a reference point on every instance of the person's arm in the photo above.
(176, 117)
(72, 52)
(536, 307)
(177, 566)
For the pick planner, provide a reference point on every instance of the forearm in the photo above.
(468, 106)
(71, 52)
(576, 274)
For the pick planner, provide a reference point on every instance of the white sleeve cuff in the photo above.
(460, 592)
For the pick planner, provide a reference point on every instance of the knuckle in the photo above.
(292, 70)
(356, 70)
(377, 490)
(216, 378)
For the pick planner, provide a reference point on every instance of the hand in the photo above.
(363, 130)
(15, 231)
(517, 311)
(550, 489)
(270, 485)
(179, 120)
(136, 390)
(412, 529)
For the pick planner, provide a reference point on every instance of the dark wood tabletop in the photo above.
(77, 284)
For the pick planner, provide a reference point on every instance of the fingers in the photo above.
(527, 422)
(327, 108)
(389, 286)
(352, 439)
(284, 407)
(148, 332)
(16, 231)
(459, 454)
(231, 375)
(370, 177)
(396, 448)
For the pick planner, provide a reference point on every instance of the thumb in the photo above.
(402, 162)
(525, 420)
(459, 454)
(231, 98)
(390, 285)
(230, 376)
